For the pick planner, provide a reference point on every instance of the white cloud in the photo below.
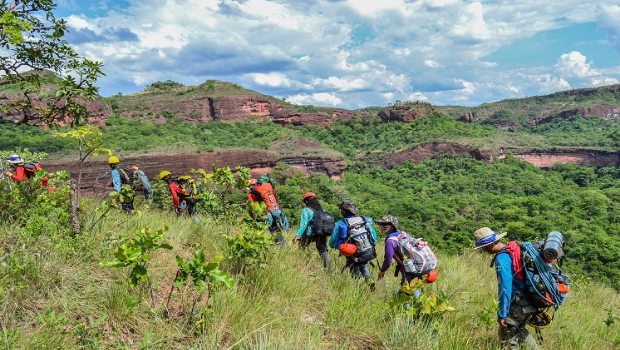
(607, 19)
(573, 67)
(318, 99)
(276, 79)
(369, 52)
(432, 64)
(79, 23)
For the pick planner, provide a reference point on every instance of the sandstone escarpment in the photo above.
(601, 111)
(406, 112)
(96, 175)
(546, 159)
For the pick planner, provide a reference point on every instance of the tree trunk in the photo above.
(75, 221)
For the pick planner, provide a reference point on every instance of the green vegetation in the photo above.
(32, 41)
(53, 292)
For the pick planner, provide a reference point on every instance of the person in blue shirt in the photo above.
(119, 178)
(357, 230)
(304, 234)
(145, 184)
(514, 310)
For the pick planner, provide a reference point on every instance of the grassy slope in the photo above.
(537, 107)
(65, 300)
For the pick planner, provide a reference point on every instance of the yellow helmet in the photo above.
(113, 160)
(164, 174)
(540, 319)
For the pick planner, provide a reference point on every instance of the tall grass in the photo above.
(59, 298)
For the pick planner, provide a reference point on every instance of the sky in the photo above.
(352, 53)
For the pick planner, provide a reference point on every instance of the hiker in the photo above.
(182, 202)
(309, 233)
(120, 178)
(356, 229)
(276, 219)
(18, 167)
(514, 310)
(25, 171)
(144, 184)
(389, 227)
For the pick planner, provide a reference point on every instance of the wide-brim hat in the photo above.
(485, 236)
(388, 219)
(15, 159)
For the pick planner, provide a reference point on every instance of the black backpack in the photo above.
(31, 169)
(126, 175)
(322, 223)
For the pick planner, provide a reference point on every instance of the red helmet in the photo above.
(308, 195)
(347, 249)
(253, 182)
(432, 276)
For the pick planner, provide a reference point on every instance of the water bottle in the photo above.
(408, 264)
(552, 250)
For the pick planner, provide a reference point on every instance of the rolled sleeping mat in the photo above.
(552, 250)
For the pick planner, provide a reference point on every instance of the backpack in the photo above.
(418, 258)
(545, 284)
(189, 189)
(127, 176)
(359, 234)
(322, 223)
(31, 169)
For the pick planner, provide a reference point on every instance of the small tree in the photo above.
(221, 183)
(204, 274)
(89, 142)
(31, 42)
(136, 252)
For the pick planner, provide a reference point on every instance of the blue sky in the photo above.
(353, 53)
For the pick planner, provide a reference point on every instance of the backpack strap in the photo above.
(495, 257)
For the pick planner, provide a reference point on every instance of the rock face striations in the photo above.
(406, 112)
(96, 176)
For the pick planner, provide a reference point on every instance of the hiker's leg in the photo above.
(353, 268)
(516, 335)
(321, 247)
(365, 272)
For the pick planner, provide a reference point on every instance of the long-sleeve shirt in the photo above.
(175, 190)
(506, 283)
(145, 182)
(391, 250)
(20, 174)
(341, 230)
(116, 179)
(307, 215)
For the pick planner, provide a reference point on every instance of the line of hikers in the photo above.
(529, 279)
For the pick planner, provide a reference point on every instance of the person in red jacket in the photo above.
(276, 219)
(181, 205)
(18, 164)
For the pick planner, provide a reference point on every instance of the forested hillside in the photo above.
(79, 289)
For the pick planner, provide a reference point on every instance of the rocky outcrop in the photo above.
(601, 111)
(96, 175)
(299, 119)
(578, 157)
(406, 112)
(421, 152)
(467, 118)
(508, 126)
